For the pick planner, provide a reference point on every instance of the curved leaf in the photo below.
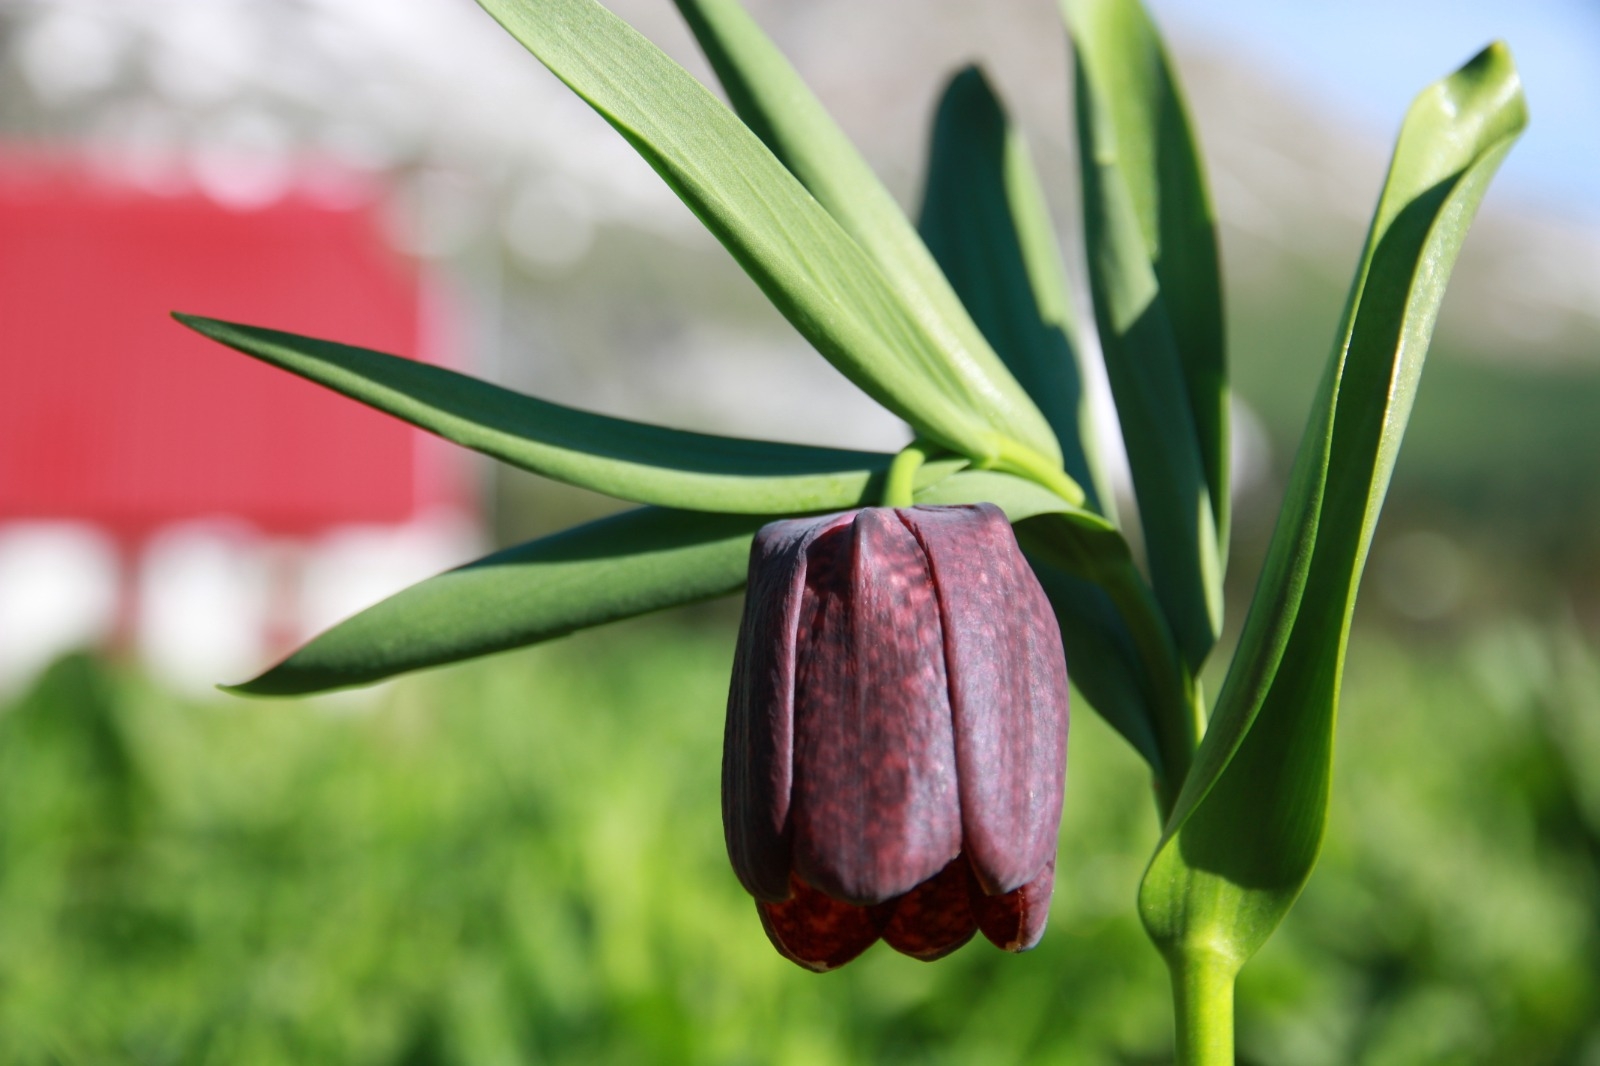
(1154, 276)
(628, 564)
(1248, 825)
(813, 272)
(985, 220)
(618, 567)
(780, 108)
(630, 460)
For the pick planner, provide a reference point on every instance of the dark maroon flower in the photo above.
(896, 737)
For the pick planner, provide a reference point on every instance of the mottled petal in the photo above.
(1015, 921)
(757, 743)
(817, 932)
(875, 809)
(1008, 690)
(935, 918)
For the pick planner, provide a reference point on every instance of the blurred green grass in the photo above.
(520, 861)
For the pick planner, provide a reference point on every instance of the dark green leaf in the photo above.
(985, 220)
(630, 460)
(618, 567)
(1245, 834)
(1154, 276)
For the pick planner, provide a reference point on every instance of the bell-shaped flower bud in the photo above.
(896, 738)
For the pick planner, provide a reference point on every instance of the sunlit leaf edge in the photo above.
(629, 460)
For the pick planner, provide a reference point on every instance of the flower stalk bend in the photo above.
(900, 484)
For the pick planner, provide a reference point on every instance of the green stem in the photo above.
(900, 484)
(1183, 725)
(1202, 999)
(1015, 458)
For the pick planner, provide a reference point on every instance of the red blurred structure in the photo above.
(242, 508)
(112, 413)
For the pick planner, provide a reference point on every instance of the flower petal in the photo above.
(757, 743)
(1008, 690)
(817, 932)
(935, 918)
(875, 810)
(1015, 921)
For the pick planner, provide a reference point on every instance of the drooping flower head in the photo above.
(896, 737)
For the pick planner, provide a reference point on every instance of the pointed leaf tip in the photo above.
(1155, 284)
(985, 220)
(629, 460)
(1245, 834)
(618, 567)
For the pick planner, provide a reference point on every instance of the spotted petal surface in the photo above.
(896, 742)
(1008, 691)
(875, 809)
(758, 740)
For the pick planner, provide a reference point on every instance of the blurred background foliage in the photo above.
(521, 860)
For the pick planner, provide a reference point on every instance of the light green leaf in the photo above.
(985, 220)
(630, 460)
(815, 274)
(1249, 822)
(1018, 497)
(780, 108)
(1155, 280)
(618, 567)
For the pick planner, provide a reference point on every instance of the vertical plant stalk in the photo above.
(1202, 1002)
(1244, 838)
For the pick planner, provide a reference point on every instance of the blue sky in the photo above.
(1371, 56)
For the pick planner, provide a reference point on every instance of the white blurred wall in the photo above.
(203, 603)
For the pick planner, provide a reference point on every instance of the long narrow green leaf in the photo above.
(630, 460)
(1154, 277)
(778, 106)
(618, 567)
(814, 273)
(985, 220)
(629, 564)
(1248, 825)
(1157, 158)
